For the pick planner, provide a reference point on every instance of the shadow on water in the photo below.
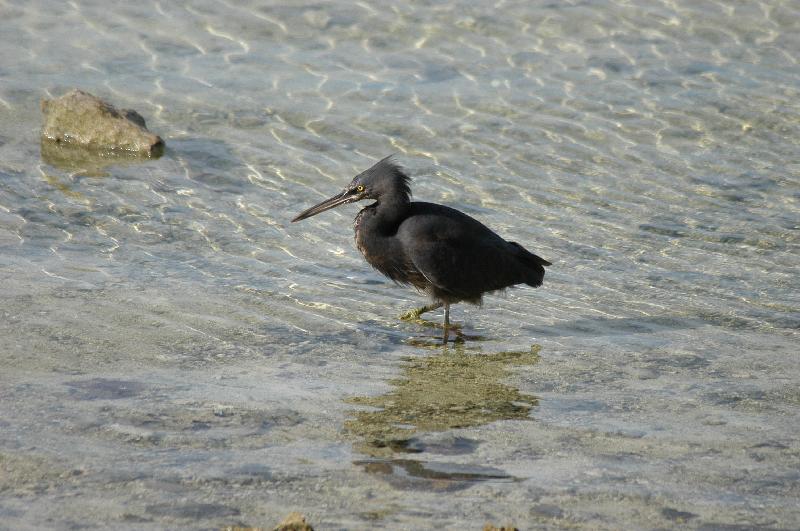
(458, 387)
(605, 326)
(618, 326)
(457, 334)
(207, 161)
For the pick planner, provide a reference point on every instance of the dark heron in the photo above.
(434, 248)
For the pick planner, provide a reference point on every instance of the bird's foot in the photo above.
(413, 315)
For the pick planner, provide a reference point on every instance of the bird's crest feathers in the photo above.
(386, 171)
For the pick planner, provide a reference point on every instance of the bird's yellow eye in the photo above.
(360, 188)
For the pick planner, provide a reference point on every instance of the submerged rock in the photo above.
(293, 522)
(81, 119)
(85, 161)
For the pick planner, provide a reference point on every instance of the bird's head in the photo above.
(384, 180)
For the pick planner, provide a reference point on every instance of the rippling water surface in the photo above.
(175, 353)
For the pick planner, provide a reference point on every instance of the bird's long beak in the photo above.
(347, 196)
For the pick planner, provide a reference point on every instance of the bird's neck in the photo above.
(389, 213)
(376, 234)
(380, 220)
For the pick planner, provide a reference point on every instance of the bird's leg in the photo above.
(414, 314)
(446, 322)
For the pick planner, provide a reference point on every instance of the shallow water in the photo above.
(175, 353)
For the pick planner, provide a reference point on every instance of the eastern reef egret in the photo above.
(434, 248)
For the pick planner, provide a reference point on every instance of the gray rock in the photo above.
(81, 119)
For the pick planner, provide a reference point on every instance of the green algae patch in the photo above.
(454, 389)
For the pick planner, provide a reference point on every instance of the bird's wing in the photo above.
(464, 267)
